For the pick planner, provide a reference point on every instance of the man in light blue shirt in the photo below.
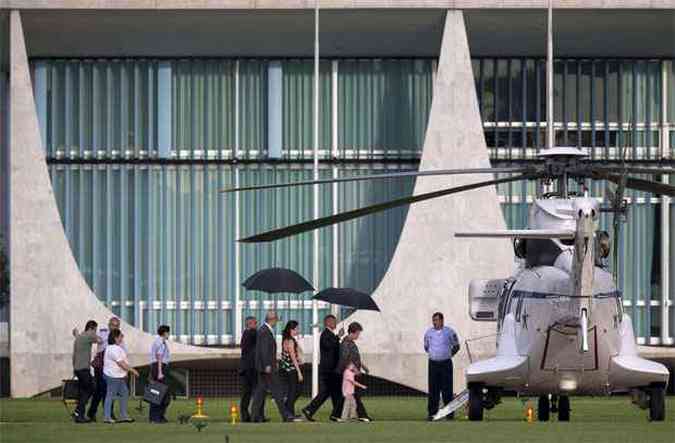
(441, 343)
(159, 371)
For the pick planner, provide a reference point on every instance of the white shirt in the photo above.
(160, 347)
(114, 354)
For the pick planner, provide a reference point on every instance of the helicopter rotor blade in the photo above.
(635, 170)
(513, 170)
(311, 225)
(642, 184)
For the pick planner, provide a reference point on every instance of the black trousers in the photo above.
(249, 381)
(85, 384)
(268, 382)
(100, 390)
(329, 386)
(440, 384)
(291, 389)
(157, 412)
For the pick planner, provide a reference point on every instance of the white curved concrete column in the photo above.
(431, 270)
(49, 294)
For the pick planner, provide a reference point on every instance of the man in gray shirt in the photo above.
(81, 362)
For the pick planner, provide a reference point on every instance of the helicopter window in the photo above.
(567, 241)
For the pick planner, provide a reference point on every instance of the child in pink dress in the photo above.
(348, 384)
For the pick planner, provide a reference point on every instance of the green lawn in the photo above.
(397, 419)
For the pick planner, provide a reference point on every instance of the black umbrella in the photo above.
(347, 297)
(275, 280)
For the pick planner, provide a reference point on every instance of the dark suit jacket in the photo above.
(248, 339)
(329, 345)
(265, 350)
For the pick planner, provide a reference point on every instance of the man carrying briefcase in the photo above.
(159, 375)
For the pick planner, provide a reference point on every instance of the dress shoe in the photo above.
(307, 415)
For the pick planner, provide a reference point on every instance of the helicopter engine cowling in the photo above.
(484, 298)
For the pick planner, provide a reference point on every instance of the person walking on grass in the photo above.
(289, 366)
(100, 388)
(329, 380)
(249, 376)
(267, 367)
(349, 384)
(81, 367)
(115, 369)
(159, 371)
(349, 353)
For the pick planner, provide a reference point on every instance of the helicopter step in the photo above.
(460, 400)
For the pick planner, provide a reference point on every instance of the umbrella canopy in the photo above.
(347, 297)
(275, 280)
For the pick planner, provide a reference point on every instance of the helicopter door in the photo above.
(484, 297)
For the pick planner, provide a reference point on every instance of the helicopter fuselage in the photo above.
(561, 328)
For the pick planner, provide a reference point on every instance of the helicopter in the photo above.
(561, 328)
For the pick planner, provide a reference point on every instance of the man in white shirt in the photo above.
(159, 371)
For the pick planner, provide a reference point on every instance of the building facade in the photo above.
(145, 112)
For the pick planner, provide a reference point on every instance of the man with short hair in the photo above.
(249, 376)
(349, 353)
(441, 343)
(160, 357)
(81, 362)
(267, 367)
(101, 386)
(330, 382)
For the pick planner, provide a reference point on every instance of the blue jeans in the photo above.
(117, 388)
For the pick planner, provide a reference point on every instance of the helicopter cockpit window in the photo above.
(541, 252)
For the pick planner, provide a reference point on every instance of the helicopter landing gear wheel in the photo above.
(564, 408)
(543, 408)
(657, 403)
(475, 402)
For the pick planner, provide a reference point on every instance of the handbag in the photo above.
(155, 392)
(71, 391)
(97, 362)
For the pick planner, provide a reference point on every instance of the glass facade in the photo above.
(127, 142)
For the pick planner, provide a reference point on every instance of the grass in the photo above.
(397, 419)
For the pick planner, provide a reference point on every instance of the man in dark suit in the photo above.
(267, 368)
(249, 376)
(330, 382)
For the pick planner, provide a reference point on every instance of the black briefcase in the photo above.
(155, 392)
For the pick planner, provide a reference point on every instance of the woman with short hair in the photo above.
(289, 366)
(116, 369)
